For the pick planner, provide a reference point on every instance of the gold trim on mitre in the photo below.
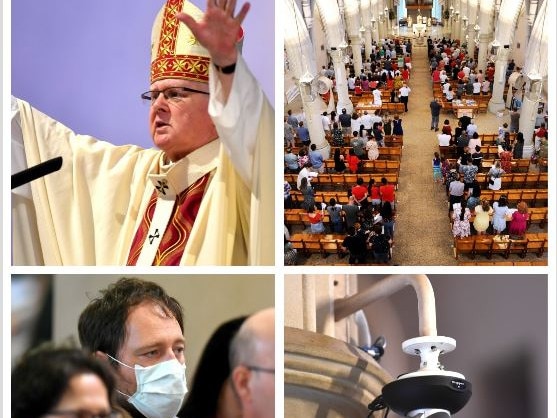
(175, 53)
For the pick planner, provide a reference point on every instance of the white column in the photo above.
(463, 25)
(450, 26)
(496, 103)
(380, 31)
(356, 53)
(446, 26)
(309, 308)
(528, 113)
(471, 43)
(299, 50)
(365, 21)
(375, 32)
(485, 39)
(487, 10)
(367, 37)
(455, 30)
(343, 100)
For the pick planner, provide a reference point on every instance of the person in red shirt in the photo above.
(540, 133)
(358, 88)
(374, 197)
(405, 74)
(387, 192)
(359, 191)
(435, 75)
(490, 72)
(353, 162)
(390, 82)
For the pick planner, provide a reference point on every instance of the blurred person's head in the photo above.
(50, 381)
(252, 357)
(211, 393)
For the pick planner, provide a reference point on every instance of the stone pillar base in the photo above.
(527, 151)
(495, 107)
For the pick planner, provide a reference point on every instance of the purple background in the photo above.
(86, 63)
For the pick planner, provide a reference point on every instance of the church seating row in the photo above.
(299, 217)
(489, 139)
(532, 263)
(450, 151)
(489, 245)
(323, 196)
(447, 107)
(341, 198)
(344, 180)
(362, 264)
(532, 197)
(516, 181)
(535, 216)
(390, 141)
(521, 165)
(323, 244)
(480, 99)
(386, 107)
(438, 87)
(368, 95)
(368, 166)
(385, 153)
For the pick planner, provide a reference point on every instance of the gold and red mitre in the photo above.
(175, 53)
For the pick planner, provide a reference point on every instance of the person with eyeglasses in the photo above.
(51, 382)
(205, 197)
(252, 360)
(137, 328)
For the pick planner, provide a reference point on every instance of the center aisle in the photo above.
(422, 234)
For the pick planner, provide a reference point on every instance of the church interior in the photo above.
(384, 62)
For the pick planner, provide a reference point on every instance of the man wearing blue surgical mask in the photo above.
(138, 329)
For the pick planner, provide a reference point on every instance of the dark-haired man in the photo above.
(345, 122)
(138, 328)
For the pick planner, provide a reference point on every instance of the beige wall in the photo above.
(500, 326)
(207, 301)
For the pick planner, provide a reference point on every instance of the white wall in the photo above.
(207, 301)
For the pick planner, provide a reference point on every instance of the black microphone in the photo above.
(35, 172)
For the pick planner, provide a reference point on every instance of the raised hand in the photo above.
(219, 30)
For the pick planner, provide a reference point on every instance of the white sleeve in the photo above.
(237, 120)
(19, 162)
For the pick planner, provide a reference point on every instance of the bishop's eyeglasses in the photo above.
(171, 94)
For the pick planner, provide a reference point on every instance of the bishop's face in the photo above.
(179, 121)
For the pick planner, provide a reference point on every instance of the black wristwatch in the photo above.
(229, 69)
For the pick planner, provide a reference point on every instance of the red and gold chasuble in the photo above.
(172, 241)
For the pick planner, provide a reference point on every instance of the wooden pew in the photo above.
(322, 244)
(489, 245)
(503, 263)
(382, 166)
